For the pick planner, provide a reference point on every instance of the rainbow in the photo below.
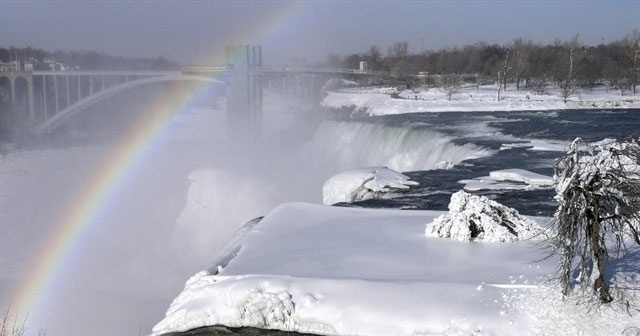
(93, 200)
(55, 253)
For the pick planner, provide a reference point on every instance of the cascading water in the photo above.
(345, 145)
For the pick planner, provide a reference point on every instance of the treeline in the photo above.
(521, 62)
(85, 60)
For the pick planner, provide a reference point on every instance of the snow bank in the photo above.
(378, 101)
(509, 179)
(364, 183)
(346, 271)
(477, 218)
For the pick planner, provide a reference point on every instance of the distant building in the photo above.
(363, 66)
(52, 65)
(32, 64)
(11, 66)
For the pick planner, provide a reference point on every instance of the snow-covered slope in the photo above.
(347, 271)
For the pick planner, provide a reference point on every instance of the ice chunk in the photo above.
(364, 183)
(504, 180)
(521, 175)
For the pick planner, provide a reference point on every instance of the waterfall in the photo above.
(345, 145)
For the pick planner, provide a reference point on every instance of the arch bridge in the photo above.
(36, 102)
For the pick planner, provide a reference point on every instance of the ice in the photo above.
(539, 145)
(364, 183)
(509, 179)
(521, 175)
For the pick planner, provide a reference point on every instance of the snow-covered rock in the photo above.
(364, 183)
(477, 218)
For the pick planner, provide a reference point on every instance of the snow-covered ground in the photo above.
(345, 271)
(304, 267)
(378, 101)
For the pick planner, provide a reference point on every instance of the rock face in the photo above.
(477, 218)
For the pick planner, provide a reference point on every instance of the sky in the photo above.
(195, 32)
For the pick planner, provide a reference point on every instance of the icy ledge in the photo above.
(509, 179)
(363, 184)
(477, 218)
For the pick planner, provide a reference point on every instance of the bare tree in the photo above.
(452, 86)
(599, 206)
(631, 45)
(374, 57)
(334, 61)
(498, 86)
(399, 50)
(568, 84)
(520, 59)
(505, 70)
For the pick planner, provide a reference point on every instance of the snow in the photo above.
(378, 101)
(342, 271)
(348, 271)
(477, 218)
(363, 184)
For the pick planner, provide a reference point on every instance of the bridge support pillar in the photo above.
(244, 94)
(20, 112)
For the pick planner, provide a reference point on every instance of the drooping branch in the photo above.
(598, 190)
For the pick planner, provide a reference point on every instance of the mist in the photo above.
(135, 254)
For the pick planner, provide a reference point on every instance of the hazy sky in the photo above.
(195, 32)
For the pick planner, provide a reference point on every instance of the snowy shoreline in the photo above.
(379, 100)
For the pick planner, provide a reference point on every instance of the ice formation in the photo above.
(477, 218)
(364, 183)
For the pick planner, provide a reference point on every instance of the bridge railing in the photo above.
(103, 73)
(287, 69)
(314, 70)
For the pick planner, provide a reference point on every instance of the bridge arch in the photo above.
(77, 107)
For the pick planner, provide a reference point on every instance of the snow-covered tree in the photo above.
(598, 190)
(477, 218)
